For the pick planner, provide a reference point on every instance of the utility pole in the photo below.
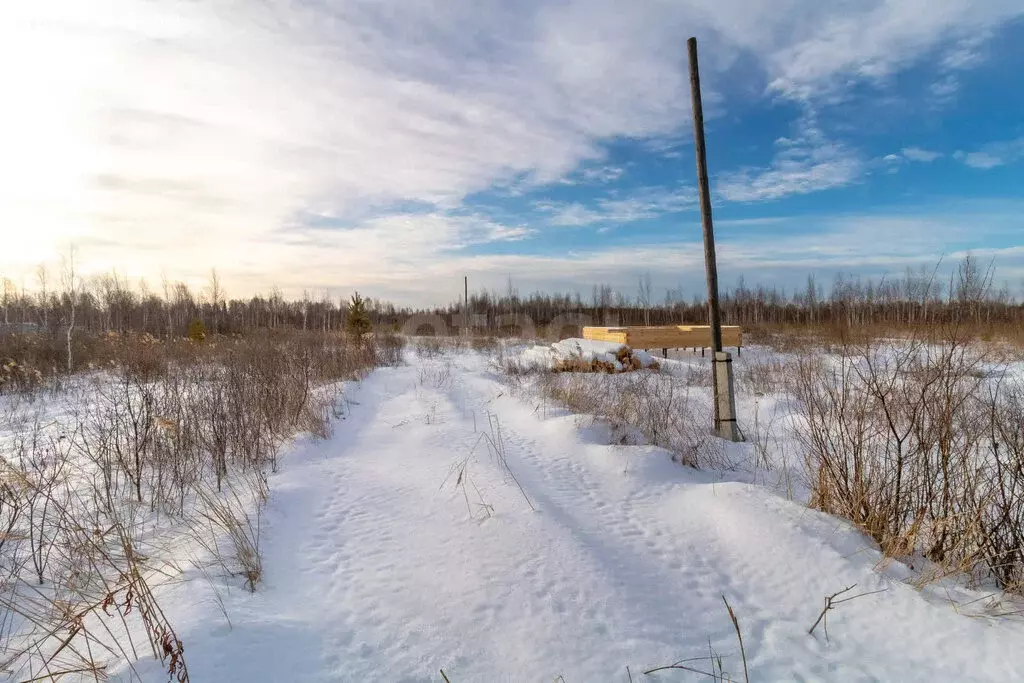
(721, 362)
(465, 305)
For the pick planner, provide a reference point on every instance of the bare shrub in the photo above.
(26, 361)
(43, 464)
(483, 344)
(18, 377)
(100, 600)
(236, 516)
(513, 365)
(659, 406)
(389, 348)
(1002, 519)
(918, 445)
(763, 376)
(764, 439)
(11, 505)
(436, 374)
(166, 439)
(428, 347)
(434, 346)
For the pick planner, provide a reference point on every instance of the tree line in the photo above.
(109, 303)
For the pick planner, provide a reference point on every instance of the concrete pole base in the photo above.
(726, 426)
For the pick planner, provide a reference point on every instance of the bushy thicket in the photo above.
(161, 441)
(918, 441)
(662, 408)
(921, 444)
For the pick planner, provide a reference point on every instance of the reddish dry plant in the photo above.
(173, 656)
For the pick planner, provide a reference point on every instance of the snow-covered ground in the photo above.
(452, 524)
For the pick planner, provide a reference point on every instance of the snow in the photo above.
(583, 349)
(378, 567)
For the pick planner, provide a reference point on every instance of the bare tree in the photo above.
(216, 297)
(71, 286)
(644, 296)
(44, 295)
(7, 299)
(973, 284)
(167, 301)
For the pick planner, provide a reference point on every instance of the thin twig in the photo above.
(739, 636)
(831, 602)
(681, 667)
(827, 607)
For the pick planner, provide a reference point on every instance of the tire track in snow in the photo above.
(666, 545)
(666, 585)
(373, 573)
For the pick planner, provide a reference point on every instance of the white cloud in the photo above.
(918, 154)
(571, 214)
(178, 135)
(144, 125)
(875, 40)
(747, 222)
(983, 160)
(968, 52)
(944, 88)
(873, 245)
(994, 154)
(603, 174)
(642, 204)
(808, 163)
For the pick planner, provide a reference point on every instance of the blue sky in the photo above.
(394, 147)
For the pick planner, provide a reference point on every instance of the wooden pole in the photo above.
(721, 362)
(465, 303)
(710, 264)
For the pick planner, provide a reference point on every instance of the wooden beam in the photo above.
(666, 337)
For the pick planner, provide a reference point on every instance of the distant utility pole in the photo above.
(721, 362)
(465, 304)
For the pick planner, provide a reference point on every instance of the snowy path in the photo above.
(375, 572)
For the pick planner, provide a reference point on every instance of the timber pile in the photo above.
(585, 355)
(665, 336)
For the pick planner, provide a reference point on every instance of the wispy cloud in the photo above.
(968, 52)
(993, 154)
(171, 134)
(847, 243)
(893, 162)
(944, 88)
(749, 222)
(603, 174)
(639, 205)
(807, 163)
(983, 160)
(872, 41)
(266, 111)
(918, 154)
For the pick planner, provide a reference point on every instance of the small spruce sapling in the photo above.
(358, 319)
(197, 330)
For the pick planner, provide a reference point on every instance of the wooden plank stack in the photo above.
(665, 336)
